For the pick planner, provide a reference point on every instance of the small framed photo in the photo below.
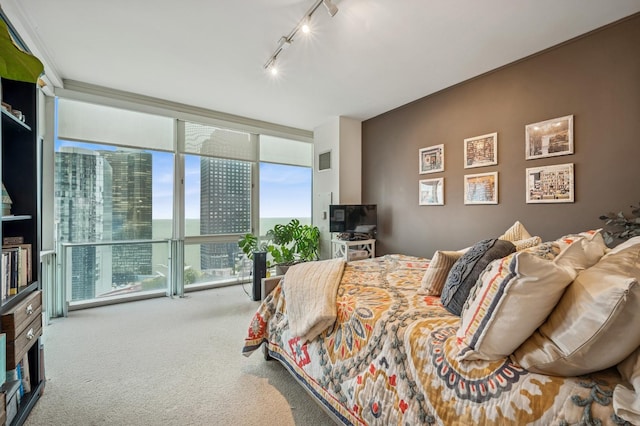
(432, 159)
(481, 188)
(550, 184)
(549, 138)
(481, 151)
(431, 192)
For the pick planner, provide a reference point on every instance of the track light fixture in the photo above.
(303, 25)
(331, 8)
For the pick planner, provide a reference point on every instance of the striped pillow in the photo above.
(515, 295)
(436, 274)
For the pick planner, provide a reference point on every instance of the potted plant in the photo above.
(286, 243)
(249, 244)
(623, 227)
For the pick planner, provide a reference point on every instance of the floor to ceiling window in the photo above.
(113, 204)
(218, 192)
(135, 193)
(285, 182)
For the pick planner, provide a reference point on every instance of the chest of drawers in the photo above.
(22, 325)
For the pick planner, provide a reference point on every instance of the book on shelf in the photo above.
(16, 268)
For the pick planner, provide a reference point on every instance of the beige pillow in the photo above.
(626, 402)
(516, 232)
(520, 237)
(514, 296)
(594, 326)
(527, 243)
(436, 274)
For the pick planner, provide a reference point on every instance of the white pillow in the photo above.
(626, 402)
(436, 274)
(514, 295)
(594, 326)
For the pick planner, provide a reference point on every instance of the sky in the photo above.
(285, 191)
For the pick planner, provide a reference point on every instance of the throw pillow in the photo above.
(527, 243)
(593, 325)
(436, 274)
(626, 402)
(593, 248)
(516, 232)
(465, 272)
(513, 297)
(520, 237)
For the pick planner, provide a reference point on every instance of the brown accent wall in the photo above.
(595, 77)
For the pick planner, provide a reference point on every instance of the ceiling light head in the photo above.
(305, 27)
(273, 68)
(331, 8)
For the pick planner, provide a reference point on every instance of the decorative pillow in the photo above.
(465, 272)
(520, 237)
(527, 243)
(436, 274)
(593, 327)
(626, 402)
(513, 297)
(516, 232)
(593, 248)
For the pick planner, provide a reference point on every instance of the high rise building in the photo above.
(132, 213)
(225, 208)
(83, 214)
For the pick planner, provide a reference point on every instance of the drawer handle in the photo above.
(30, 334)
(29, 309)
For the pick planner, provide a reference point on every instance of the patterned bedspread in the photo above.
(387, 360)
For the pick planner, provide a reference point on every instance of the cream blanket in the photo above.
(310, 289)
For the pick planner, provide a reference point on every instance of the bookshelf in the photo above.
(21, 300)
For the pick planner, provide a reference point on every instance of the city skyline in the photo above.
(285, 191)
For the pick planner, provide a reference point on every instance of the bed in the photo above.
(392, 356)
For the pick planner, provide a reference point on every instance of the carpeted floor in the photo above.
(166, 362)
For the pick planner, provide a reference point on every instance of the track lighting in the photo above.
(306, 28)
(331, 8)
(303, 25)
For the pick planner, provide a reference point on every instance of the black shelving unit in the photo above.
(21, 178)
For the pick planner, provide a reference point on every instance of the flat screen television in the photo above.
(354, 220)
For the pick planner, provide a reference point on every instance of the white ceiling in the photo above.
(373, 56)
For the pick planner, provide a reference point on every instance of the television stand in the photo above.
(353, 250)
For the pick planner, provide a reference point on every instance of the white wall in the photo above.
(342, 183)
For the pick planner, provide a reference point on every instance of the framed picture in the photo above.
(432, 159)
(481, 151)
(550, 184)
(481, 188)
(431, 192)
(549, 138)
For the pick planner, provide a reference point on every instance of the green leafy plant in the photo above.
(621, 227)
(249, 244)
(293, 242)
(286, 243)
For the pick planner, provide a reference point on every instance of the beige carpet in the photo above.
(166, 362)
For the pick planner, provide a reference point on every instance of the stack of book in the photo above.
(16, 267)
